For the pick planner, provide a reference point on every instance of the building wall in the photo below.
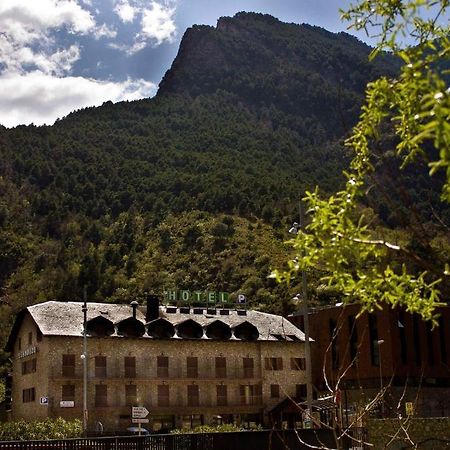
(48, 379)
(420, 355)
(29, 346)
(403, 355)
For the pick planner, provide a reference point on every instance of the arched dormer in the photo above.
(100, 327)
(246, 331)
(160, 329)
(130, 327)
(218, 331)
(190, 329)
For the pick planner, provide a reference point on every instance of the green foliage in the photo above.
(339, 240)
(22, 430)
(223, 428)
(93, 200)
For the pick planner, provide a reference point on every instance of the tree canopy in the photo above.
(404, 126)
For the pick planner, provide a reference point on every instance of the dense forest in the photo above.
(197, 187)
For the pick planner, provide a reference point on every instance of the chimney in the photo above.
(134, 304)
(152, 307)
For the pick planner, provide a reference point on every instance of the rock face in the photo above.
(296, 69)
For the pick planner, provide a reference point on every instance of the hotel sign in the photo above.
(185, 296)
(28, 352)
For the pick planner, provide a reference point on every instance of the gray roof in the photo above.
(66, 319)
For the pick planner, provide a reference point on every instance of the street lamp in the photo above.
(84, 357)
(309, 392)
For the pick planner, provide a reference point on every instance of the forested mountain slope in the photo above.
(194, 188)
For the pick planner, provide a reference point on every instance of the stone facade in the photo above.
(182, 382)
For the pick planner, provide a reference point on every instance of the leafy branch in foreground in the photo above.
(415, 106)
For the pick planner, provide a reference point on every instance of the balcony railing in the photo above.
(173, 373)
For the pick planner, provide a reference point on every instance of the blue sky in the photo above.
(57, 56)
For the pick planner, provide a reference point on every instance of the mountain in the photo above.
(194, 188)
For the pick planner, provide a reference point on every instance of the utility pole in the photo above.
(309, 390)
(84, 357)
(296, 227)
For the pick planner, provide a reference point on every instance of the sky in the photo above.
(57, 56)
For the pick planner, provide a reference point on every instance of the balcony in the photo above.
(114, 373)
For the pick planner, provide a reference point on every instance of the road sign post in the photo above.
(138, 415)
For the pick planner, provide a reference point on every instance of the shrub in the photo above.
(22, 430)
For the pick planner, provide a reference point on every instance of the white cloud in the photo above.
(27, 40)
(104, 31)
(129, 49)
(25, 21)
(158, 23)
(40, 98)
(125, 11)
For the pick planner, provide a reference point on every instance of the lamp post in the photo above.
(309, 393)
(84, 357)
(379, 342)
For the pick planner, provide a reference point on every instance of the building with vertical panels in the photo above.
(187, 366)
(361, 354)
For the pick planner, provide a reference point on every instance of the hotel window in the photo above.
(101, 395)
(130, 366)
(192, 395)
(192, 367)
(130, 394)
(274, 391)
(222, 397)
(162, 366)
(430, 347)
(416, 340)
(274, 363)
(300, 390)
(353, 332)
(221, 367)
(68, 392)
(100, 366)
(334, 344)
(250, 394)
(298, 363)
(442, 340)
(374, 345)
(29, 366)
(28, 395)
(402, 336)
(163, 395)
(68, 365)
(248, 367)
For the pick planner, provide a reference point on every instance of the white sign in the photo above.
(43, 401)
(139, 412)
(28, 352)
(67, 404)
(140, 420)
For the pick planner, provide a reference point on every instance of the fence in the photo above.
(257, 440)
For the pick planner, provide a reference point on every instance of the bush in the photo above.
(224, 428)
(22, 430)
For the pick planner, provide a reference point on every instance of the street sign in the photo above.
(66, 404)
(139, 412)
(43, 401)
(140, 420)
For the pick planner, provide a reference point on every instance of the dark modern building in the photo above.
(358, 354)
